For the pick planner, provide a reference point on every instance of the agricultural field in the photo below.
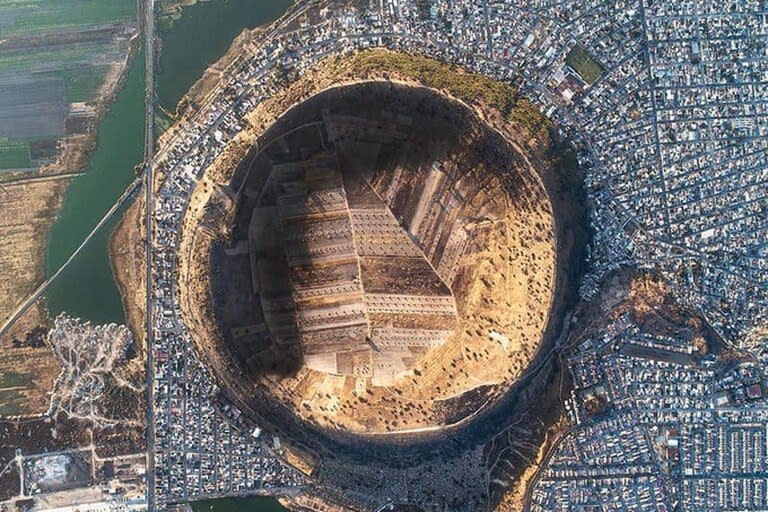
(26, 379)
(584, 64)
(59, 60)
(60, 64)
(28, 367)
(82, 81)
(32, 16)
(14, 154)
(32, 106)
(53, 59)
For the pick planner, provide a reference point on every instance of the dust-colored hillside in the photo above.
(507, 280)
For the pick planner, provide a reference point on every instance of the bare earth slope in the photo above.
(503, 283)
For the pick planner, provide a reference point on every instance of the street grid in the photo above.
(672, 135)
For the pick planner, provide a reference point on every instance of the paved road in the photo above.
(149, 147)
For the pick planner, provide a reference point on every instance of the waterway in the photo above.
(201, 36)
(87, 288)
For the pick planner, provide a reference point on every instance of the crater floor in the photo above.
(387, 262)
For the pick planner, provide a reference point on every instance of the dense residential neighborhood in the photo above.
(652, 377)
(666, 103)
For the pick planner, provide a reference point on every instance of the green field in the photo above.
(14, 154)
(584, 65)
(12, 387)
(44, 15)
(162, 121)
(21, 61)
(82, 81)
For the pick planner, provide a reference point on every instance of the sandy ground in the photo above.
(467, 362)
(127, 253)
(27, 211)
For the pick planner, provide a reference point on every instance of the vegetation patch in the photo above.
(14, 154)
(26, 379)
(171, 11)
(584, 64)
(82, 81)
(27, 210)
(469, 87)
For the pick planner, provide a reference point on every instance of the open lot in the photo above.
(27, 210)
(28, 367)
(57, 472)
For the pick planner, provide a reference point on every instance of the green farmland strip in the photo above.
(36, 59)
(83, 82)
(14, 155)
(43, 15)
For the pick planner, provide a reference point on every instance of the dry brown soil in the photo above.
(497, 295)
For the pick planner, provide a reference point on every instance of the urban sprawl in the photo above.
(667, 105)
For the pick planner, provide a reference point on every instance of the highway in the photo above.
(149, 148)
(124, 197)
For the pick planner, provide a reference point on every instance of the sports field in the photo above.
(584, 64)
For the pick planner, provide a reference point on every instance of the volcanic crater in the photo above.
(386, 264)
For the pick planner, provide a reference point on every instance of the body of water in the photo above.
(87, 288)
(201, 36)
(197, 40)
